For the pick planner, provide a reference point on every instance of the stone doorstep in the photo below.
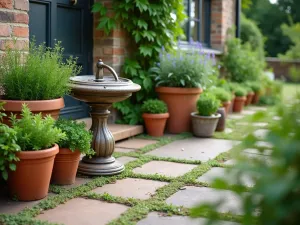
(119, 131)
(135, 143)
(79, 211)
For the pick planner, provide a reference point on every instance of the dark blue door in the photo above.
(68, 21)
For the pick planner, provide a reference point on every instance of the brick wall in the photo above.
(222, 19)
(14, 23)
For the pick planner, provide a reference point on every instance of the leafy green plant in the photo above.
(151, 25)
(293, 32)
(185, 68)
(275, 195)
(240, 92)
(222, 94)
(207, 104)
(41, 74)
(35, 132)
(77, 137)
(154, 106)
(255, 86)
(8, 148)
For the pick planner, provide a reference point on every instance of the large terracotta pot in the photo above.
(32, 177)
(226, 106)
(249, 98)
(255, 98)
(181, 103)
(204, 126)
(51, 107)
(155, 123)
(65, 167)
(222, 120)
(238, 104)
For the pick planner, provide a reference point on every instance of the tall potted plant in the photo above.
(204, 121)
(155, 115)
(78, 141)
(180, 78)
(38, 77)
(36, 137)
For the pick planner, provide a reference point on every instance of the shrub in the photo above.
(185, 69)
(40, 75)
(207, 104)
(240, 92)
(34, 132)
(255, 86)
(77, 137)
(222, 94)
(154, 106)
(8, 148)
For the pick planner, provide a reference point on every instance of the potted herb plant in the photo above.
(240, 99)
(256, 88)
(205, 120)
(155, 115)
(249, 95)
(224, 96)
(36, 137)
(78, 141)
(38, 77)
(180, 78)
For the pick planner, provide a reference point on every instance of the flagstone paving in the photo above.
(153, 178)
(261, 133)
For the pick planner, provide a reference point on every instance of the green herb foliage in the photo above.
(34, 132)
(154, 106)
(77, 137)
(207, 104)
(8, 147)
(222, 94)
(240, 92)
(41, 74)
(185, 68)
(255, 86)
(151, 25)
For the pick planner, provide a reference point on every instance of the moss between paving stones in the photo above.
(139, 209)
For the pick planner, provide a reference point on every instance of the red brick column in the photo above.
(14, 23)
(222, 19)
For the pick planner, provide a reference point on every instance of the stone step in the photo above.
(119, 131)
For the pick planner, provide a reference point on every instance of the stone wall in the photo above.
(14, 23)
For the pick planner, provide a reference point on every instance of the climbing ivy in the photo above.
(151, 25)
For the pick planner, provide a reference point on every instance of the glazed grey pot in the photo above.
(204, 126)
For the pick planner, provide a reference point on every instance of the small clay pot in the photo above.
(226, 106)
(255, 98)
(46, 107)
(238, 104)
(222, 121)
(65, 167)
(249, 98)
(204, 126)
(32, 177)
(155, 123)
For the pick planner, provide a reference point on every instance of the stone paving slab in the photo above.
(78, 181)
(217, 172)
(261, 133)
(155, 218)
(81, 211)
(266, 152)
(228, 130)
(235, 116)
(263, 144)
(202, 149)
(131, 188)
(135, 143)
(256, 124)
(124, 150)
(164, 168)
(126, 159)
(230, 162)
(248, 112)
(192, 196)
(257, 108)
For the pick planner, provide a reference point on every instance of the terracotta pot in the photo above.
(32, 177)
(181, 103)
(222, 120)
(226, 106)
(155, 123)
(238, 104)
(65, 167)
(51, 107)
(255, 98)
(204, 126)
(249, 98)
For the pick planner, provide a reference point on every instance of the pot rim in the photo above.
(240, 98)
(34, 105)
(43, 153)
(155, 116)
(195, 114)
(226, 103)
(178, 90)
(68, 151)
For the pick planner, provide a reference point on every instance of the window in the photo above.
(197, 25)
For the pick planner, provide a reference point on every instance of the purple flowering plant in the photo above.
(185, 68)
